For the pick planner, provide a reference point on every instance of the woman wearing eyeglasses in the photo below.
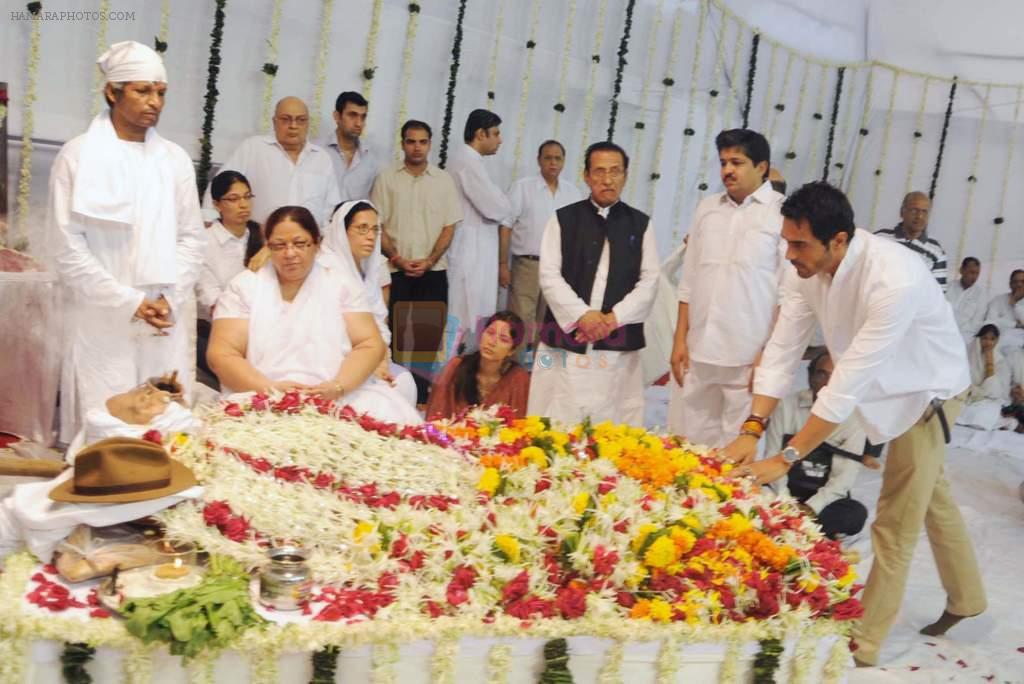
(230, 242)
(352, 239)
(300, 324)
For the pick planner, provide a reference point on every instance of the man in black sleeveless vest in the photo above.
(598, 273)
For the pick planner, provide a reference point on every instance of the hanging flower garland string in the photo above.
(499, 664)
(492, 73)
(210, 101)
(712, 108)
(688, 131)
(942, 139)
(798, 116)
(780, 105)
(972, 179)
(595, 60)
(27, 126)
(844, 126)
(270, 66)
(640, 125)
(1011, 143)
(160, 41)
(411, 28)
(733, 112)
(370, 58)
(620, 67)
(453, 75)
(666, 105)
(524, 94)
(101, 47)
(320, 67)
(563, 76)
(751, 72)
(818, 118)
(837, 99)
(768, 109)
(884, 154)
(918, 134)
(864, 118)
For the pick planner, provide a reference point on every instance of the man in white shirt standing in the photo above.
(284, 168)
(355, 165)
(968, 298)
(473, 267)
(1006, 311)
(901, 371)
(127, 236)
(728, 293)
(534, 201)
(599, 274)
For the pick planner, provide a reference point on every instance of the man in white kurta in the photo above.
(728, 293)
(127, 240)
(968, 298)
(534, 200)
(284, 168)
(1006, 311)
(599, 289)
(473, 256)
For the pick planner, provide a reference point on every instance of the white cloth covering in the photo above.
(223, 259)
(1006, 315)
(131, 61)
(277, 181)
(473, 255)
(787, 419)
(305, 340)
(604, 385)
(355, 178)
(890, 331)
(533, 204)
(968, 307)
(108, 262)
(987, 396)
(710, 406)
(99, 424)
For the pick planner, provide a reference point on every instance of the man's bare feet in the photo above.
(944, 624)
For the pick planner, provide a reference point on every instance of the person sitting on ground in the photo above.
(822, 480)
(296, 325)
(353, 238)
(1006, 311)
(487, 376)
(990, 380)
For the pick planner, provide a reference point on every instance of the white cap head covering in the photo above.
(131, 61)
(336, 247)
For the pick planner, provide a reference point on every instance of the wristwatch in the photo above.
(790, 455)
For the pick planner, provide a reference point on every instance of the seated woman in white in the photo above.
(990, 380)
(295, 324)
(352, 243)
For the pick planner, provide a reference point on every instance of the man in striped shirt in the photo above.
(912, 232)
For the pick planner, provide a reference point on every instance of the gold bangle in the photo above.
(753, 426)
(751, 433)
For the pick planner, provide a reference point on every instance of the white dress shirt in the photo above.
(968, 306)
(355, 178)
(732, 272)
(1004, 313)
(889, 329)
(277, 181)
(533, 204)
(223, 259)
(788, 418)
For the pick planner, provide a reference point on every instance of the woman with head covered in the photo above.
(299, 324)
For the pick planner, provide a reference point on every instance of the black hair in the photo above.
(779, 186)
(356, 208)
(970, 260)
(987, 329)
(349, 97)
(824, 207)
(413, 123)
(1015, 272)
(477, 119)
(754, 145)
(813, 366)
(540, 150)
(605, 146)
(219, 187)
(464, 381)
(300, 215)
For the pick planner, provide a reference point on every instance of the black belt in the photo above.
(935, 409)
(531, 257)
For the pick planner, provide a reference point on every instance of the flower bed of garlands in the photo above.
(495, 525)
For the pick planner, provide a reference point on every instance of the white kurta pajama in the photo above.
(305, 340)
(731, 279)
(968, 307)
(124, 225)
(598, 384)
(1007, 315)
(473, 255)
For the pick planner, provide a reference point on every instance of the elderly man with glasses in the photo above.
(912, 233)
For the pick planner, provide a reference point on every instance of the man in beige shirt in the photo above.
(419, 207)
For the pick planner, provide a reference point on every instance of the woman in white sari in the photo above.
(352, 243)
(990, 381)
(296, 325)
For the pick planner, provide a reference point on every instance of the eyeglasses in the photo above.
(611, 174)
(235, 199)
(917, 212)
(289, 120)
(298, 245)
(365, 230)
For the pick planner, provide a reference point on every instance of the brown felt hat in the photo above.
(123, 470)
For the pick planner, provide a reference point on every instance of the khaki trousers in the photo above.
(524, 296)
(915, 493)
